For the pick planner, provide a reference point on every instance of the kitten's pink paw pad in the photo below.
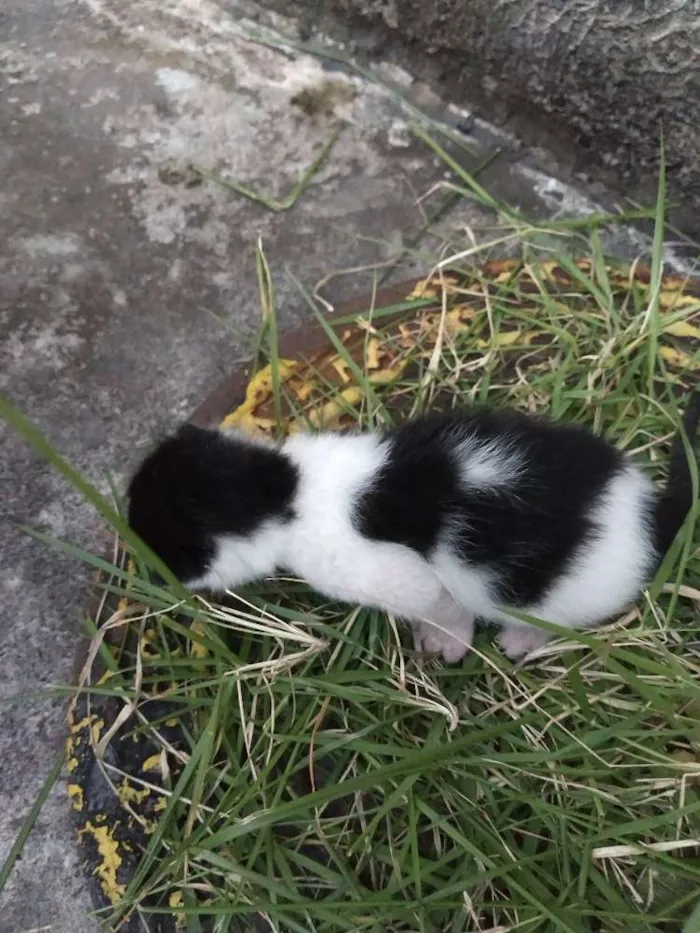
(451, 647)
(517, 641)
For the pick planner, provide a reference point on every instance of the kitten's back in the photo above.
(497, 490)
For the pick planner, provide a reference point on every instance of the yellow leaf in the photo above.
(678, 358)
(550, 267)
(385, 376)
(507, 274)
(373, 353)
(341, 367)
(253, 425)
(683, 329)
(259, 389)
(424, 289)
(198, 650)
(330, 414)
(676, 299)
(303, 388)
(432, 286)
(456, 320)
(507, 338)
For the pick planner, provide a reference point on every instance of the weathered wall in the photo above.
(605, 76)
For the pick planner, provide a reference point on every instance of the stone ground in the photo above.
(126, 294)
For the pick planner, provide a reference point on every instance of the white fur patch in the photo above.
(488, 465)
(606, 573)
(242, 558)
(469, 585)
(324, 548)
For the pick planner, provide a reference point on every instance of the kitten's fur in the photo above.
(445, 519)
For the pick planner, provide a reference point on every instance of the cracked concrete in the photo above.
(127, 291)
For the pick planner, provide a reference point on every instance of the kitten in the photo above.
(440, 521)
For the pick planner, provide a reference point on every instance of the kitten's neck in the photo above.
(331, 468)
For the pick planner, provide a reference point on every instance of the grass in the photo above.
(321, 777)
(277, 205)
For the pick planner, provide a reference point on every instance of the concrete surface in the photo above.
(596, 80)
(126, 295)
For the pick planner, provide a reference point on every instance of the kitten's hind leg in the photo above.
(518, 640)
(448, 630)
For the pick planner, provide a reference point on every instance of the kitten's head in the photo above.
(202, 489)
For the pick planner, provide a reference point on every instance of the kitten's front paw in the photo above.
(451, 645)
(517, 641)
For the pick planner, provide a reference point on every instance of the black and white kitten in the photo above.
(443, 520)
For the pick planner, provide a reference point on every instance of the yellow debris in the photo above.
(84, 722)
(198, 650)
(96, 730)
(152, 763)
(175, 900)
(130, 794)
(75, 792)
(106, 870)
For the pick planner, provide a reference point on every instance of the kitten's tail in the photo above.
(676, 499)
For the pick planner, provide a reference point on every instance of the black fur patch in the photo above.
(416, 489)
(199, 484)
(525, 532)
(675, 501)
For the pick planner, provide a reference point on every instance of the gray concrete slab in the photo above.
(113, 273)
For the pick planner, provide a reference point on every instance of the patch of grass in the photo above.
(325, 778)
